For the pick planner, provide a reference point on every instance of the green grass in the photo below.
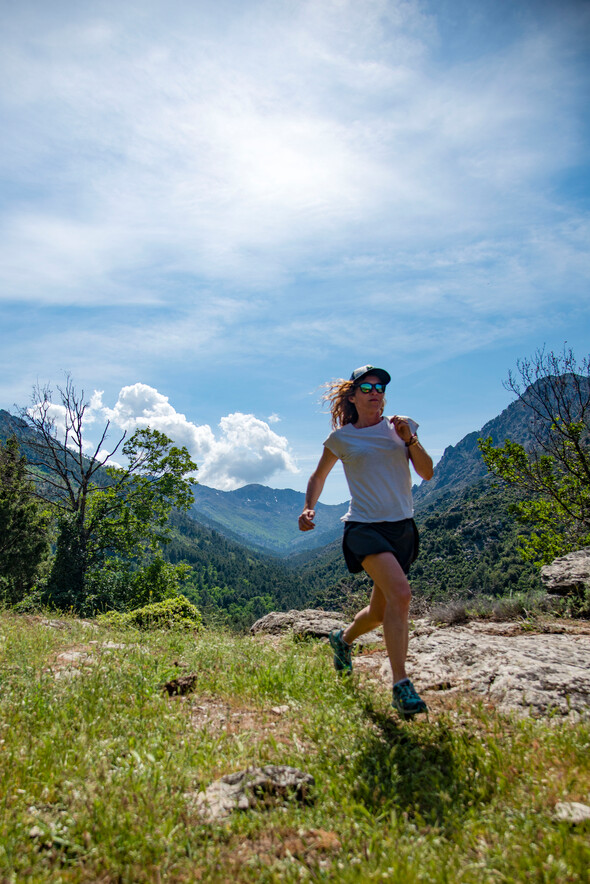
(96, 770)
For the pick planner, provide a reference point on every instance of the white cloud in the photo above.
(139, 405)
(245, 450)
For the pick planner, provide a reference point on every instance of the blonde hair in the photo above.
(342, 410)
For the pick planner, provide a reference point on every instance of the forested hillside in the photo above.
(230, 583)
(468, 539)
(265, 518)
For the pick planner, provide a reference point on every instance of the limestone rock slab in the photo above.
(309, 622)
(532, 673)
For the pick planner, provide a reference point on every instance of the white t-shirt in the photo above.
(375, 461)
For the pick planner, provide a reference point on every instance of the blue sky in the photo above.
(211, 208)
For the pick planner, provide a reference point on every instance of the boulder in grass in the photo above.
(568, 575)
(255, 787)
(572, 812)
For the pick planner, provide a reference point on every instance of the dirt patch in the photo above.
(219, 717)
(73, 661)
(314, 848)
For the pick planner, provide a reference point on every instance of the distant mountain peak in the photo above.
(461, 465)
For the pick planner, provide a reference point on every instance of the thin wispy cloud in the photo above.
(263, 192)
(214, 160)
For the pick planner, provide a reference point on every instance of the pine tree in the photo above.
(23, 527)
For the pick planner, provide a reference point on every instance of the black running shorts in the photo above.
(367, 538)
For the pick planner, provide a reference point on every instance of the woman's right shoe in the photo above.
(342, 652)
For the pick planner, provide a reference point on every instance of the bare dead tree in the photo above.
(61, 457)
(555, 389)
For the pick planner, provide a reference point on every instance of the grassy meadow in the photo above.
(99, 768)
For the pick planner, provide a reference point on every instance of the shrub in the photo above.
(451, 614)
(175, 613)
(521, 606)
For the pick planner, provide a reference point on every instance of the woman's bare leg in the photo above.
(391, 585)
(369, 618)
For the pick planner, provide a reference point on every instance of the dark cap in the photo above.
(359, 373)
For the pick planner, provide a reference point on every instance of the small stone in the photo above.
(54, 624)
(572, 812)
(255, 787)
(73, 656)
(184, 684)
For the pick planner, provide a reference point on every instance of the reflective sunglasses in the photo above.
(366, 388)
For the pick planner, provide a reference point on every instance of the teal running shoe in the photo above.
(342, 652)
(405, 699)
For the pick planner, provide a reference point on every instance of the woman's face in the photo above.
(368, 402)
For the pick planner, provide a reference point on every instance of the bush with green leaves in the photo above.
(176, 613)
(552, 474)
(119, 586)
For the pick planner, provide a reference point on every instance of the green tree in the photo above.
(23, 527)
(113, 519)
(552, 471)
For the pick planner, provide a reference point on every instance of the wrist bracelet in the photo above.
(412, 440)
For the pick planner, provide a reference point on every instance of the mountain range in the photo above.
(265, 519)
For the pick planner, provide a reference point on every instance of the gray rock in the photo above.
(309, 622)
(568, 574)
(254, 787)
(572, 812)
(184, 684)
(529, 673)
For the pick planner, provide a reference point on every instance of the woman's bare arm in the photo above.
(314, 489)
(421, 460)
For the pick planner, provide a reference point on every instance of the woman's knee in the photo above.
(401, 594)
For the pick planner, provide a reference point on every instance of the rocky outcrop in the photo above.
(528, 673)
(569, 574)
(307, 623)
(540, 673)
